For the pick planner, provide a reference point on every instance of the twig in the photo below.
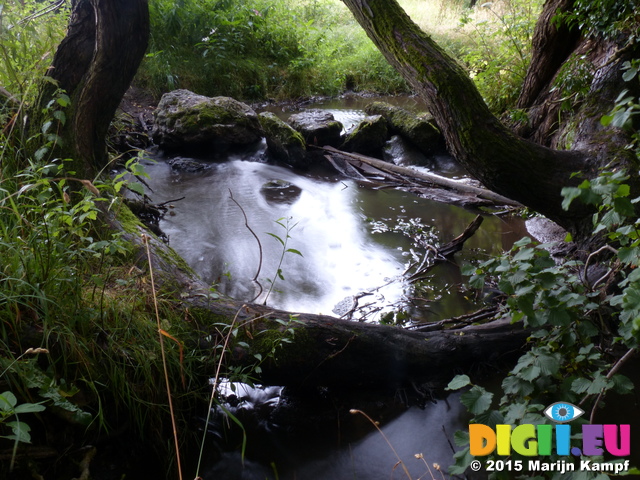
(42, 12)
(170, 201)
(593, 254)
(145, 240)
(617, 366)
(375, 424)
(246, 224)
(464, 320)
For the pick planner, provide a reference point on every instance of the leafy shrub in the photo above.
(577, 320)
(28, 37)
(579, 315)
(601, 17)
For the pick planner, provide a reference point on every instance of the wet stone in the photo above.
(187, 165)
(280, 192)
(318, 127)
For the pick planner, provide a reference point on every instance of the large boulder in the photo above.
(318, 127)
(368, 137)
(185, 120)
(419, 130)
(284, 143)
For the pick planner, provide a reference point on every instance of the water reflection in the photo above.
(330, 224)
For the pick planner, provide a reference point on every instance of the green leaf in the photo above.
(515, 413)
(530, 373)
(293, 250)
(524, 254)
(29, 408)
(461, 438)
(136, 187)
(580, 385)
(490, 418)
(629, 255)
(599, 383)
(477, 281)
(462, 461)
(468, 269)
(7, 401)
(276, 237)
(458, 382)
(549, 364)
(622, 384)
(20, 431)
(63, 100)
(477, 400)
(569, 194)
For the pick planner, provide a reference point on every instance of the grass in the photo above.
(286, 49)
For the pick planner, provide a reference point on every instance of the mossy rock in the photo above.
(318, 127)
(187, 121)
(368, 137)
(420, 130)
(284, 143)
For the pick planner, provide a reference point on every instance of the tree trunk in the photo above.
(514, 167)
(551, 47)
(94, 65)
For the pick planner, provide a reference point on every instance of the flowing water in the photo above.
(335, 225)
(331, 223)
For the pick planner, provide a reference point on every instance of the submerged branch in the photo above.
(357, 160)
(246, 224)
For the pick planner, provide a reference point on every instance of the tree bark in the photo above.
(95, 64)
(551, 47)
(514, 167)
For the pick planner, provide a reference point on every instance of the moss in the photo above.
(279, 131)
(129, 222)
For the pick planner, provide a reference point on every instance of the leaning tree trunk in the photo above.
(95, 64)
(514, 167)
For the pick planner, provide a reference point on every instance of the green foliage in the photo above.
(285, 223)
(263, 49)
(578, 314)
(605, 18)
(498, 53)
(574, 81)
(627, 107)
(575, 319)
(28, 38)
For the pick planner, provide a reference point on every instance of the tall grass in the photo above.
(262, 49)
(27, 43)
(284, 49)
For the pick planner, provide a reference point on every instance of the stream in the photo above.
(323, 242)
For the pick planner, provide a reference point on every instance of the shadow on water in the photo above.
(321, 440)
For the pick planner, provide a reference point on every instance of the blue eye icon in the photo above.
(562, 412)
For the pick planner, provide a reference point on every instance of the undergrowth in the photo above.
(259, 50)
(584, 314)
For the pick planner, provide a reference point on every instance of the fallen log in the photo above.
(324, 350)
(430, 178)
